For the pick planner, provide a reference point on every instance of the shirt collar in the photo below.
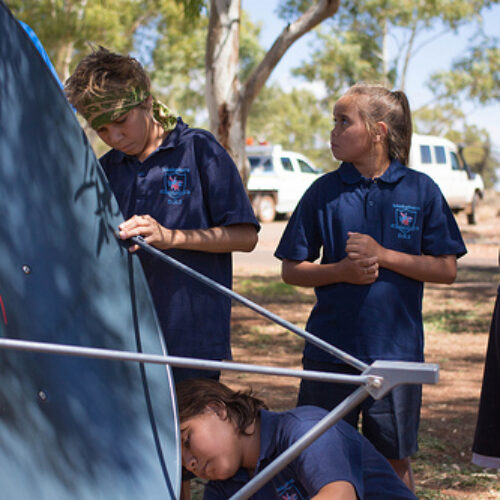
(174, 136)
(268, 424)
(350, 175)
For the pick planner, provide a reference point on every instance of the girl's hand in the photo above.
(147, 227)
(361, 246)
(361, 271)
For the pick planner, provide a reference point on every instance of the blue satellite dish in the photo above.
(71, 428)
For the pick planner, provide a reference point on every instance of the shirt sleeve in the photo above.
(302, 238)
(225, 196)
(334, 456)
(441, 235)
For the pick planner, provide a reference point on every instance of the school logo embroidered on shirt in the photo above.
(405, 218)
(175, 184)
(289, 491)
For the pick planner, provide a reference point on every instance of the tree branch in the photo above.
(318, 12)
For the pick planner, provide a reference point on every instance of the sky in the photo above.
(435, 56)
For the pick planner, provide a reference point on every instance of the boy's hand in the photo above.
(147, 227)
(361, 246)
(361, 271)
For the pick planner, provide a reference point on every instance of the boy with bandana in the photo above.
(177, 188)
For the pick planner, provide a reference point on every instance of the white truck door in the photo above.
(291, 189)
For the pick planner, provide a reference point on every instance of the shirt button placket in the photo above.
(140, 189)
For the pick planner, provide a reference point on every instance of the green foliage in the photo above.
(478, 153)
(475, 76)
(192, 8)
(437, 119)
(267, 290)
(297, 120)
(178, 61)
(66, 29)
(342, 59)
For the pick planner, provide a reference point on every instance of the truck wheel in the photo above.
(471, 217)
(265, 208)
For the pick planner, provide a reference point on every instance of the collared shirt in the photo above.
(189, 182)
(340, 454)
(402, 210)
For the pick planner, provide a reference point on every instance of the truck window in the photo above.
(259, 164)
(425, 154)
(440, 154)
(455, 162)
(287, 164)
(305, 167)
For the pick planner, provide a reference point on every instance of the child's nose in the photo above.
(115, 134)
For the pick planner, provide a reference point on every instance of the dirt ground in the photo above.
(457, 320)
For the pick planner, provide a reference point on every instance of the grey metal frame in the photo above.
(375, 380)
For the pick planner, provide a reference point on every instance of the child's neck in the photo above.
(156, 138)
(251, 446)
(374, 165)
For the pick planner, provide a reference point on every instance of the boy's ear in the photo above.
(380, 131)
(219, 410)
(149, 102)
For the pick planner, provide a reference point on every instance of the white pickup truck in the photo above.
(442, 160)
(278, 179)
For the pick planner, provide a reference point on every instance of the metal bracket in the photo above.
(385, 375)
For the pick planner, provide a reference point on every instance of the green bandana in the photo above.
(103, 110)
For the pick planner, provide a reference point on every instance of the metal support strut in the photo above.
(375, 380)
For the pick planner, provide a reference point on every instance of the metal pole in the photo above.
(203, 364)
(264, 476)
(325, 346)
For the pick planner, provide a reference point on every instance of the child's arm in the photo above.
(340, 490)
(222, 239)
(303, 273)
(436, 269)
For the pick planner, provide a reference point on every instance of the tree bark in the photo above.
(229, 100)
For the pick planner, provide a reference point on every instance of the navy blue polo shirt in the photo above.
(189, 182)
(340, 454)
(402, 210)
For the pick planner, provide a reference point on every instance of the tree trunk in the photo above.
(228, 100)
(63, 60)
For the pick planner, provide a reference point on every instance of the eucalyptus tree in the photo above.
(229, 98)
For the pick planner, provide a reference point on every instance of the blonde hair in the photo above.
(392, 108)
(103, 73)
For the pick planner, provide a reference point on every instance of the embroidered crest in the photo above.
(289, 491)
(405, 217)
(175, 184)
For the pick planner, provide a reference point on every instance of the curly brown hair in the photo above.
(194, 396)
(392, 108)
(104, 73)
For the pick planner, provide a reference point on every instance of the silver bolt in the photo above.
(42, 395)
(375, 382)
(26, 269)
